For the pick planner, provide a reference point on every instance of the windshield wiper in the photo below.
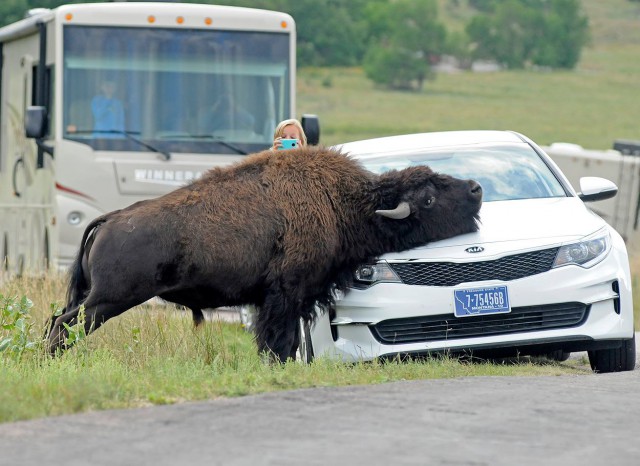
(233, 147)
(229, 145)
(127, 134)
(166, 155)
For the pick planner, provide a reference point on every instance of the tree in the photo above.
(397, 69)
(406, 40)
(482, 5)
(518, 33)
(565, 32)
(507, 35)
(397, 41)
(15, 10)
(12, 10)
(329, 32)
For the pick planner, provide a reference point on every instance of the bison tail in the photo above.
(79, 283)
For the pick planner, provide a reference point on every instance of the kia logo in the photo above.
(474, 249)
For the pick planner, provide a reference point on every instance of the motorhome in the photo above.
(106, 104)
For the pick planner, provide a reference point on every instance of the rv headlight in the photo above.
(586, 253)
(370, 274)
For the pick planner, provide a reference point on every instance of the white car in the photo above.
(544, 275)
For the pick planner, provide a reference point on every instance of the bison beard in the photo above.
(277, 230)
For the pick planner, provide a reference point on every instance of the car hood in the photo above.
(517, 225)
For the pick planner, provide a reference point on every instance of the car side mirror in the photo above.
(35, 123)
(311, 127)
(596, 189)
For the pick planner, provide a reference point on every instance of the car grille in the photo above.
(448, 327)
(452, 273)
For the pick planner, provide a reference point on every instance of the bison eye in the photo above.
(430, 201)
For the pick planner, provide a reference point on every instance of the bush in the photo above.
(395, 68)
(16, 327)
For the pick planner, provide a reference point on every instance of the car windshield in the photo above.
(505, 172)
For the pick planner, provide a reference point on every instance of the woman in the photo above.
(108, 112)
(288, 129)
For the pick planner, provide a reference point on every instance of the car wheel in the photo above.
(614, 359)
(558, 355)
(304, 353)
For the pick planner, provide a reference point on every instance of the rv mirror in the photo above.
(311, 126)
(35, 124)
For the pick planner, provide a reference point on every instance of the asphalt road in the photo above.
(582, 420)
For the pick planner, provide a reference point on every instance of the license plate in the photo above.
(481, 301)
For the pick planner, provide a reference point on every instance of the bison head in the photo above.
(420, 206)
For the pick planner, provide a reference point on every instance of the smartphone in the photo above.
(288, 144)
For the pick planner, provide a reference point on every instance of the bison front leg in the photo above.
(276, 329)
(278, 339)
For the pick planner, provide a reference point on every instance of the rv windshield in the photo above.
(195, 91)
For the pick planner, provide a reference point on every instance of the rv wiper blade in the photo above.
(128, 134)
(166, 155)
(233, 147)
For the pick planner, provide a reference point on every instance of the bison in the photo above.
(279, 230)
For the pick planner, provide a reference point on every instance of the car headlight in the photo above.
(586, 253)
(369, 274)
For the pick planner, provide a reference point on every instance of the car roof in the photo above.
(417, 141)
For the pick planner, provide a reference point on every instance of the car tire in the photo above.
(558, 355)
(614, 359)
(304, 353)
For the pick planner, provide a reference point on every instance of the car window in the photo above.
(505, 172)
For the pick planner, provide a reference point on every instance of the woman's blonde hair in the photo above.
(292, 121)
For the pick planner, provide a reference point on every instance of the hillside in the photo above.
(591, 106)
(613, 22)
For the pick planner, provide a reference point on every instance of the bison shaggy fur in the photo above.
(279, 230)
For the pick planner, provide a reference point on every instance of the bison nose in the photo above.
(475, 189)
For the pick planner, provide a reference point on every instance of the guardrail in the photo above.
(620, 165)
(627, 147)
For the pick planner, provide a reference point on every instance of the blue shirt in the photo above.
(108, 115)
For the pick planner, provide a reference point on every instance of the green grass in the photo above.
(152, 355)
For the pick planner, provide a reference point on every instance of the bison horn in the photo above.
(402, 211)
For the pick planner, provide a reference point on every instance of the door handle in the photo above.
(14, 177)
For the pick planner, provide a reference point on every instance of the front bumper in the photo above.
(605, 289)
